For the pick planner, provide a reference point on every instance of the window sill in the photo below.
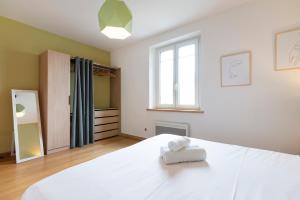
(175, 110)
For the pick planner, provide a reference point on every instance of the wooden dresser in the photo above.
(106, 123)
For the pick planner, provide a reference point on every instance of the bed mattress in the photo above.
(137, 173)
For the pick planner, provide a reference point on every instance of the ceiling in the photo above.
(77, 19)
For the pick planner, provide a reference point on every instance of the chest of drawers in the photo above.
(106, 123)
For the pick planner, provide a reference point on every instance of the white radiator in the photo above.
(162, 127)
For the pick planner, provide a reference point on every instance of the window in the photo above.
(176, 76)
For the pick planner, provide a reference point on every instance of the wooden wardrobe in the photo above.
(54, 100)
(55, 75)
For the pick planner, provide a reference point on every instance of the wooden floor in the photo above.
(14, 179)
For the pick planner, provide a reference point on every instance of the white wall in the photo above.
(264, 115)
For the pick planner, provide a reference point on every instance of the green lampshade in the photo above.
(20, 107)
(20, 110)
(115, 19)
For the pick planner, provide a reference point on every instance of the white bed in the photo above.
(136, 173)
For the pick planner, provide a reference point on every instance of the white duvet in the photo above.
(137, 173)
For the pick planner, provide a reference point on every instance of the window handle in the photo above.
(175, 87)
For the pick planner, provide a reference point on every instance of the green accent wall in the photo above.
(101, 91)
(20, 47)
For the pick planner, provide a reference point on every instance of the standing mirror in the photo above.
(27, 125)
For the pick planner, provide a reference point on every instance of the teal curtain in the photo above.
(83, 104)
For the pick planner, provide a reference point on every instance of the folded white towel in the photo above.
(178, 143)
(187, 154)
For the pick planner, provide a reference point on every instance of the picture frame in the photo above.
(236, 69)
(287, 50)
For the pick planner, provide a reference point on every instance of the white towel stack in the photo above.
(179, 143)
(180, 150)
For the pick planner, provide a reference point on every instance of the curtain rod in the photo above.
(96, 65)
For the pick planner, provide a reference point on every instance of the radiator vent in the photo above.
(174, 128)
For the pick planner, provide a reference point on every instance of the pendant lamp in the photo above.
(20, 110)
(115, 19)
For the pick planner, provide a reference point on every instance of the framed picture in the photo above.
(236, 69)
(287, 50)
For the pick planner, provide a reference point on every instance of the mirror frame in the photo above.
(15, 126)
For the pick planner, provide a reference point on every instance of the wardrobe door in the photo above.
(56, 112)
(58, 100)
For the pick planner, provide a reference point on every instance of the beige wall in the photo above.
(20, 47)
(264, 115)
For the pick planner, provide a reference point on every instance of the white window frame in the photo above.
(175, 46)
